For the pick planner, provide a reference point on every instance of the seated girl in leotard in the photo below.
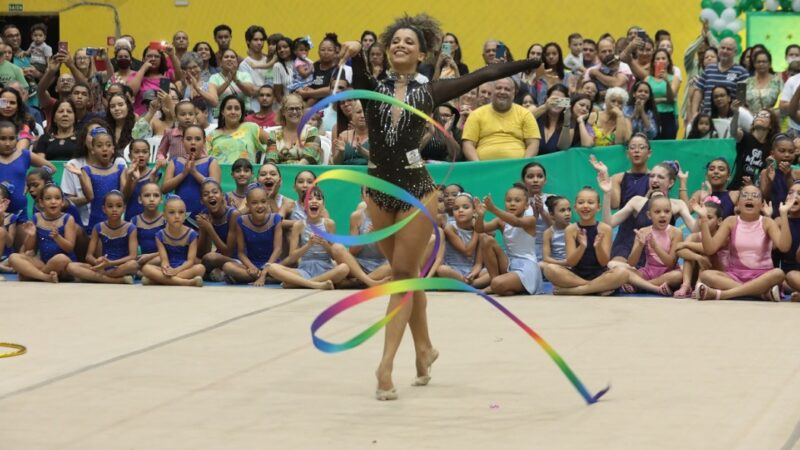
(215, 225)
(750, 272)
(789, 260)
(625, 186)
(111, 257)
(8, 226)
(242, 174)
(588, 245)
(177, 250)
(778, 176)
(694, 257)
(35, 182)
(534, 177)
(269, 176)
(185, 175)
(718, 173)
(315, 269)
(463, 260)
(659, 242)
(516, 270)
(102, 178)
(661, 179)
(368, 266)
(149, 223)
(139, 174)
(51, 234)
(555, 246)
(258, 237)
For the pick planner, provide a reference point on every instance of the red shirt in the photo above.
(267, 121)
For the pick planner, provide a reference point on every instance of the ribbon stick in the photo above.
(412, 285)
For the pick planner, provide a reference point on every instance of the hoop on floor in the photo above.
(19, 350)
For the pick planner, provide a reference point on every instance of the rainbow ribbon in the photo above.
(412, 285)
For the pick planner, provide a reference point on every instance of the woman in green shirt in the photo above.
(665, 87)
(233, 138)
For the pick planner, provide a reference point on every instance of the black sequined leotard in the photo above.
(394, 150)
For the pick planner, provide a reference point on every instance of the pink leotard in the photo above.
(750, 250)
(653, 266)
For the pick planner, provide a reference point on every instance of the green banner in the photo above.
(567, 172)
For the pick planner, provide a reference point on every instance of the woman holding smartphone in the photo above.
(394, 135)
(153, 69)
(664, 85)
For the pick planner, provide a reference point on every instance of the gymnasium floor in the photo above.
(134, 367)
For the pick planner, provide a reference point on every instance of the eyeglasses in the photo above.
(66, 80)
(750, 195)
(294, 109)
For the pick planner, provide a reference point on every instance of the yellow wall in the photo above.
(517, 22)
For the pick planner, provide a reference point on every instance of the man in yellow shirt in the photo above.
(502, 129)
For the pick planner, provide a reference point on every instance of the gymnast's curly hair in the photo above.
(427, 29)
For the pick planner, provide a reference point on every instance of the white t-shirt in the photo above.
(789, 89)
(260, 77)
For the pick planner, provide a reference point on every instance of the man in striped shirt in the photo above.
(725, 73)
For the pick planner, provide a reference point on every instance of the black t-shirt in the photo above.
(751, 158)
(322, 78)
(57, 149)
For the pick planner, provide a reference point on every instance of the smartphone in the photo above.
(641, 33)
(158, 45)
(741, 92)
(163, 84)
(100, 63)
(447, 49)
(659, 67)
(91, 51)
(562, 102)
(63, 47)
(500, 51)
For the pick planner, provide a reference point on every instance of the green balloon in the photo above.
(718, 7)
(705, 4)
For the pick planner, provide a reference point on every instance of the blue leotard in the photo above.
(632, 184)
(134, 207)
(15, 172)
(46, 245)
(103, 180)
(177, 247)
(114, 241)
(146, 232)
(8, 220)
(189, 189)
(223, 228)
(258, 239)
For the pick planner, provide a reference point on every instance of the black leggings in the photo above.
(669, 126)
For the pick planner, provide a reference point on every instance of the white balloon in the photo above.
(729, 3)
(735, 26)
(772, 5)
(709, 15)
(718, 25)
(796, 5)
(728, 15)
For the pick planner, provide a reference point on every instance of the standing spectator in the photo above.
(231, 81)
(325, 69)
(641, 110)
(222, 36)
(611, 72)
(665, 86)
(127, 42)
(574, 61)
(64, 83)
(8, 71)
(790, 104)
(792, 54)
(81, 97)
(589, 52)
(502, 129)
(180, 40)
(283, 71)
(154, 68)
(39, 52)
(257, 64)
(726, 73)
(209, 64)
(764, 86)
